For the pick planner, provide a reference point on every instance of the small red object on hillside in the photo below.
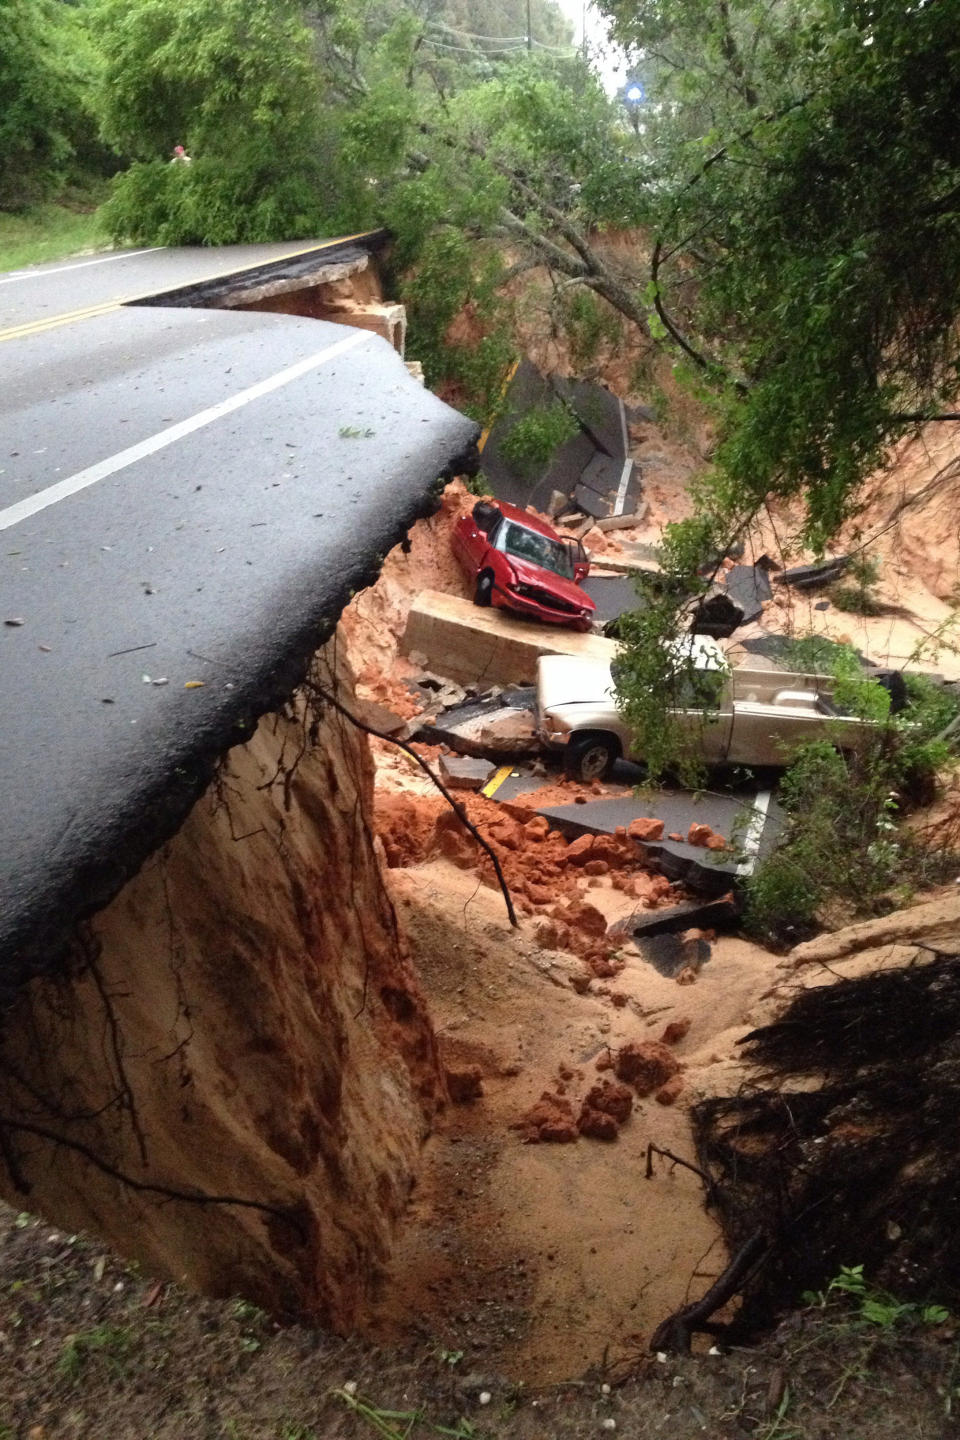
(518, 562)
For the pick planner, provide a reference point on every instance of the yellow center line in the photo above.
(503, 390)
(492, 786)
(36, 327)
(32, 327)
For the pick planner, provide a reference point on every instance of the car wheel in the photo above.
(483, 595)
(590, 757)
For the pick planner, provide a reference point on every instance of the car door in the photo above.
(707, 726)
(471, 544)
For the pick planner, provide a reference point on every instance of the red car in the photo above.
(517, 562)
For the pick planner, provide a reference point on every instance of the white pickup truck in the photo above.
(754, 717)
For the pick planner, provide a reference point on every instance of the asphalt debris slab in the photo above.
(613, 595)
(601, 413)
(590, 471)
(814, 577)
(749, 586)
(720, 913)
(670, 952)
(718, 614)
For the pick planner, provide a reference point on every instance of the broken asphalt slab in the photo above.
(643, 925)
(592, 466)
(671, 954)
(755, 818)
(465, 772)
(497, 725)
(749, 586)
(601, 413)
(613, 595)
(812, 577)
(718, 614)
(608, 488)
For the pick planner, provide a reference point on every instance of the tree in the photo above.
(803, 215)
(305, 117)
(805, 255)
(46, 67)
(235, 82)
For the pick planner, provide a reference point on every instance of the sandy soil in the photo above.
(544, 1256)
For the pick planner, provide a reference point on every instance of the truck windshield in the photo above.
(537, 549)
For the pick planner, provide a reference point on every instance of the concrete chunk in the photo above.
(480, 646)
(637, 516)
(464, 772)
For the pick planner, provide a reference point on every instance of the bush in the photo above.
(857, 596)
(842, 839)
(212, 202)
(536, 436)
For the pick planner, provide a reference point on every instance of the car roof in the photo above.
(524, 517)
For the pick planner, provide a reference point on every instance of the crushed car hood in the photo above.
(567, 590)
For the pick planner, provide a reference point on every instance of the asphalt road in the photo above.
(71, 289)
(185, 495)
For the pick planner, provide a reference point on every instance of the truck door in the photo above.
(707, 718)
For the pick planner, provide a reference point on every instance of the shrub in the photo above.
(536, 436)
(842, 839)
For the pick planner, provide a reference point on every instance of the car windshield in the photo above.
(538, 549)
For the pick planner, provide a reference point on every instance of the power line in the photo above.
(466, 50)
(472, 35)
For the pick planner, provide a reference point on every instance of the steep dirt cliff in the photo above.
(242, 1021)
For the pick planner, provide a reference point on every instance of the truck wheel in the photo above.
(590, 757)
(483, 595)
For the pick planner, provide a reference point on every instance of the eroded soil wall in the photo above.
(242, 1021)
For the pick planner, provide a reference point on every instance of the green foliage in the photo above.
(47, 67)
(538, 434)
(235, 82)
(591, 327)
(873, 1306)
(49, 232)
(856, 595)
(807, 168)
(843, 840)
(398, 1424)
(112, 1343)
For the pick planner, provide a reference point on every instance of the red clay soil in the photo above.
(546, 874)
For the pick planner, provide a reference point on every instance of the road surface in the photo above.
(186, 496)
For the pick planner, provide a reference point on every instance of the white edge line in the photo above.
(623, 427)
(754, 832)
(625, 476)
(33, 504)
(40, 274)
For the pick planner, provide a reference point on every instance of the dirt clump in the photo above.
(647, 1065)
(549, 1121)
(675, 1031)
(645, 829)
(605, 1108)
(545, 873)
(702, 835)
(668, 1094)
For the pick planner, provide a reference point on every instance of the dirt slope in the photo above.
(243, 1021)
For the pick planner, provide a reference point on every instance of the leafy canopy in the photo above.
(46, 71)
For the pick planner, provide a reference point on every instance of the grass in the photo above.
(50, 232)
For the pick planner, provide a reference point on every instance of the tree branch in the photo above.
(458, 810)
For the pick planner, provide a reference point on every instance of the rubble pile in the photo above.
(546, 873)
